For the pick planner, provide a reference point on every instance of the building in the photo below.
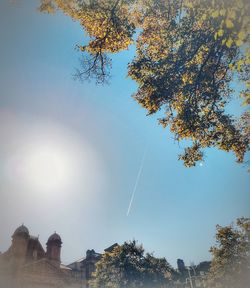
(27, 265)
(84, 267)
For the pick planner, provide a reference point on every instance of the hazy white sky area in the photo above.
(70, 153)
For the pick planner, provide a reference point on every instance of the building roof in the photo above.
(77, 261)
(111, 248)
(55, 237)
(21, 230)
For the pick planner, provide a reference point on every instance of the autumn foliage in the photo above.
(230, 265)
(189, 55)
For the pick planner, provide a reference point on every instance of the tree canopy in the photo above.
(230, 265)
(127, 266)
(192, 58)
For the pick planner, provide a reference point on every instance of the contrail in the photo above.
(136, 182)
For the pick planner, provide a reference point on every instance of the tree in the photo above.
(127, 266)
(230, 267)
(188, 56)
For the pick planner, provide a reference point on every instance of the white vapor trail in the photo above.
(136, 182)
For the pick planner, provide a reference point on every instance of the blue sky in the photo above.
(103, 133)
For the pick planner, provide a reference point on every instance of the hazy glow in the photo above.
(48, 167)
(47, 159)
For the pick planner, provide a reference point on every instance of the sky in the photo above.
(71, 153)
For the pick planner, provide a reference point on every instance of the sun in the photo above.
(48, 167)
(48, 159)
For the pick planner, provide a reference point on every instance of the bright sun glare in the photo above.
(48, 167)
(48, 159)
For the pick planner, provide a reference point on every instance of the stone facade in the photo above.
(27, 265)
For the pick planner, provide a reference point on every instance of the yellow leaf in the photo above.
(189, 5)
(215, 14)
(229, 42)
(238, 42)
(229, 23)
(220, 32)
(241, 35)
(239, 65)
(223, 12)
(204, 17)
